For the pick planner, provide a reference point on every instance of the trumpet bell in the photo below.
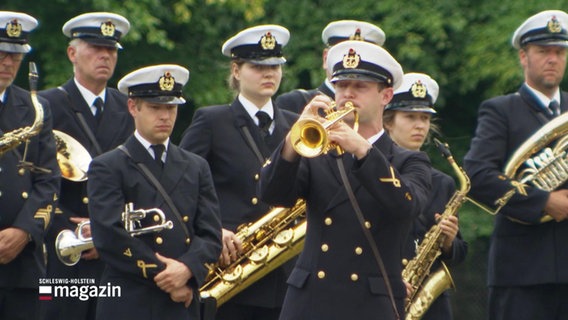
(69, 248)
(309, 138)
(72, 157)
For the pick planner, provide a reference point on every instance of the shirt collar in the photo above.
(252, 109)
(373, 139)
(88, 95)
(147, 145)
(544, 100)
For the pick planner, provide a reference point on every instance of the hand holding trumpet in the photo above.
(313, 135)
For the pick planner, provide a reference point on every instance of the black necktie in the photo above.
(264, 122)
(158, 151)
(99, 104)
(554, 107)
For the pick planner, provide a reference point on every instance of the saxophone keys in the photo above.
(259, 255)
(233, 274)
(284, 237)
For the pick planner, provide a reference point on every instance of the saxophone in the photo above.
(427, 287)
(267, 243)
(13, 139)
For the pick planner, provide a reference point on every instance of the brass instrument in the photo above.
(309, 136)
(72, 157)
(70, 244)
(267, 243)
(428, 287)
(132, 220)
(546, 170)
(13, 139)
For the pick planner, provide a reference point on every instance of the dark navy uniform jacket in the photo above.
(114, 180)
(520, 254)
(216, 134)
(443, 188)
(115, 126)
(27, 199)
(296, 100)
(336, 275)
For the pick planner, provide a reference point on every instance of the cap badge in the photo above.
(357, 36)
(167, 82)
(268, 42)
(418, 89)
(13, 29)
(351, 60)
(553, 25)
(107, 29)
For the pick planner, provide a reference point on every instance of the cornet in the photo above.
(309, 136)
(70, 244)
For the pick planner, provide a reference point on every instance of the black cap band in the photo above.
(93, 33)
(151, 90)
(22, 39)
(543, 34)
(256, 52)
(366, 69)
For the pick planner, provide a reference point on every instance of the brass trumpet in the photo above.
(309, 136)
(70, 244)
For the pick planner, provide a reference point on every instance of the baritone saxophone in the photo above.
(267, 244)
(428, 287)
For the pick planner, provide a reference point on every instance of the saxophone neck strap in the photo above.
(150, 177)
(84, 124)
(367, 234)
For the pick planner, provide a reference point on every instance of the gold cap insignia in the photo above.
(553, 25)
(418, 89)
(357, 36)
(13, 29)
(107, 29)
(268, 42)
(351, 60)
(167, 82)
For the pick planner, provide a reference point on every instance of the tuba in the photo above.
(13, 139)
(309, 136)
(69, 245)
(72, 157)
(428, 287)
(267, 243)
(545, 159)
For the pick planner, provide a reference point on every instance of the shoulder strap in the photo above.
(148, 174)
(252, 144)
(367, 234)
(84, 124)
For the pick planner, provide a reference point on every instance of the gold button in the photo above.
(324, 247)
(354, 277)
(254, 200)
(21, 171)
(256, 177)
(358, 251)
(185, 218)
(156, 218)
(321, 274)
(159, 240)
(24, 195)
(85, 200)
(328, 221)
(187, 240)
(367, 225)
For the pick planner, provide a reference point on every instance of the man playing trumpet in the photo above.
(338, 273)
